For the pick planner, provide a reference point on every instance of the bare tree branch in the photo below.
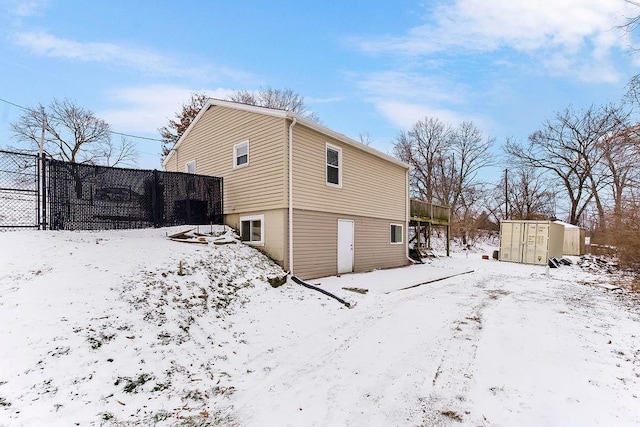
(570, 147)
(281, 99)
(73, 134)
(172, 132)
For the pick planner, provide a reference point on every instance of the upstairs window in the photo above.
(241, 154)
(252, 229)
(334, 166)
(397, 233)
(190, 167)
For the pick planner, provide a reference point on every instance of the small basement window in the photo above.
(252, 229)
(190, 167)
(334, 166)
(397, 233)
(241, 154)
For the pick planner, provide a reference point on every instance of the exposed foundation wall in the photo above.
(275, 232)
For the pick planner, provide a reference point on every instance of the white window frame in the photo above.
(252, 218)
(235, 154)
(401, 234)
(326, 165)
(189, 163)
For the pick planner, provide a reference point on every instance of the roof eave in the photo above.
(286, 115)
(345, 139)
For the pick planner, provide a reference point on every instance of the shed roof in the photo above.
(566, 224)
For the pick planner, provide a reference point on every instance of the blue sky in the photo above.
(363, 66)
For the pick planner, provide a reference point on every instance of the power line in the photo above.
(134, 136)
(11, 103)
(111, 131)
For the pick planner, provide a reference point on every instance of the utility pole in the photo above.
(44, 129)
(506, 194)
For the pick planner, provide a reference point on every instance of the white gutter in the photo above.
(293, 123)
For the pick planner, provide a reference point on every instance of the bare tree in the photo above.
(468, 153)
(527, 193)
(172, 132)
(468, 212)
(365, 138)
(73, 134)
(281, 99)
(445, 165)
(445, 161)
(423, 147)
(621, 156)
(569, 148)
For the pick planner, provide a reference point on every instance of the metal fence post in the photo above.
(43, 188)
(154, 199)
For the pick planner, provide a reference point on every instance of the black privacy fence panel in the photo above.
(19, 195)
(86, 197)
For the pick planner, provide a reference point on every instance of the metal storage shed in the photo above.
(574, 239)
(530, 242)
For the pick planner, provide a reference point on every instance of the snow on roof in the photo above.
(566, 224)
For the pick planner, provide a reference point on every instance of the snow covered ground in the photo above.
(129, 328)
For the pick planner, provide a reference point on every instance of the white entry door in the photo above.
(345, 246)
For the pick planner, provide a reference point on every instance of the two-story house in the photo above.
(314, 200)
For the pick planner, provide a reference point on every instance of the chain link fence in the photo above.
(19, 193)
(88, 197)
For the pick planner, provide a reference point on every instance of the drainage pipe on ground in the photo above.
(329, 294)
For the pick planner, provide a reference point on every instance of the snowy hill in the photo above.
(131, 328)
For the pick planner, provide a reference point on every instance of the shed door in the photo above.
(345, 246)
(511, 241)
(536, 244)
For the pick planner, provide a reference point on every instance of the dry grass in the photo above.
(623, 238)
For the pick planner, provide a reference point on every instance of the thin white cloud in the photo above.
(406, 114)
(403, 98)
(581, 30)
(329, 100)
(412, 85)
(23, 8)
(520, 24)
(144, 109)
(599, 71)
(41, 43)
(45, 44)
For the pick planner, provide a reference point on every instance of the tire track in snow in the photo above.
(444, 399)
(309, 382)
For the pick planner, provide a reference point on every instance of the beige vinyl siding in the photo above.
(370, 186)
(315, 247)
(373, 246)
(275, 231)
(261, 185)
(372, 193)
(316, 244)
